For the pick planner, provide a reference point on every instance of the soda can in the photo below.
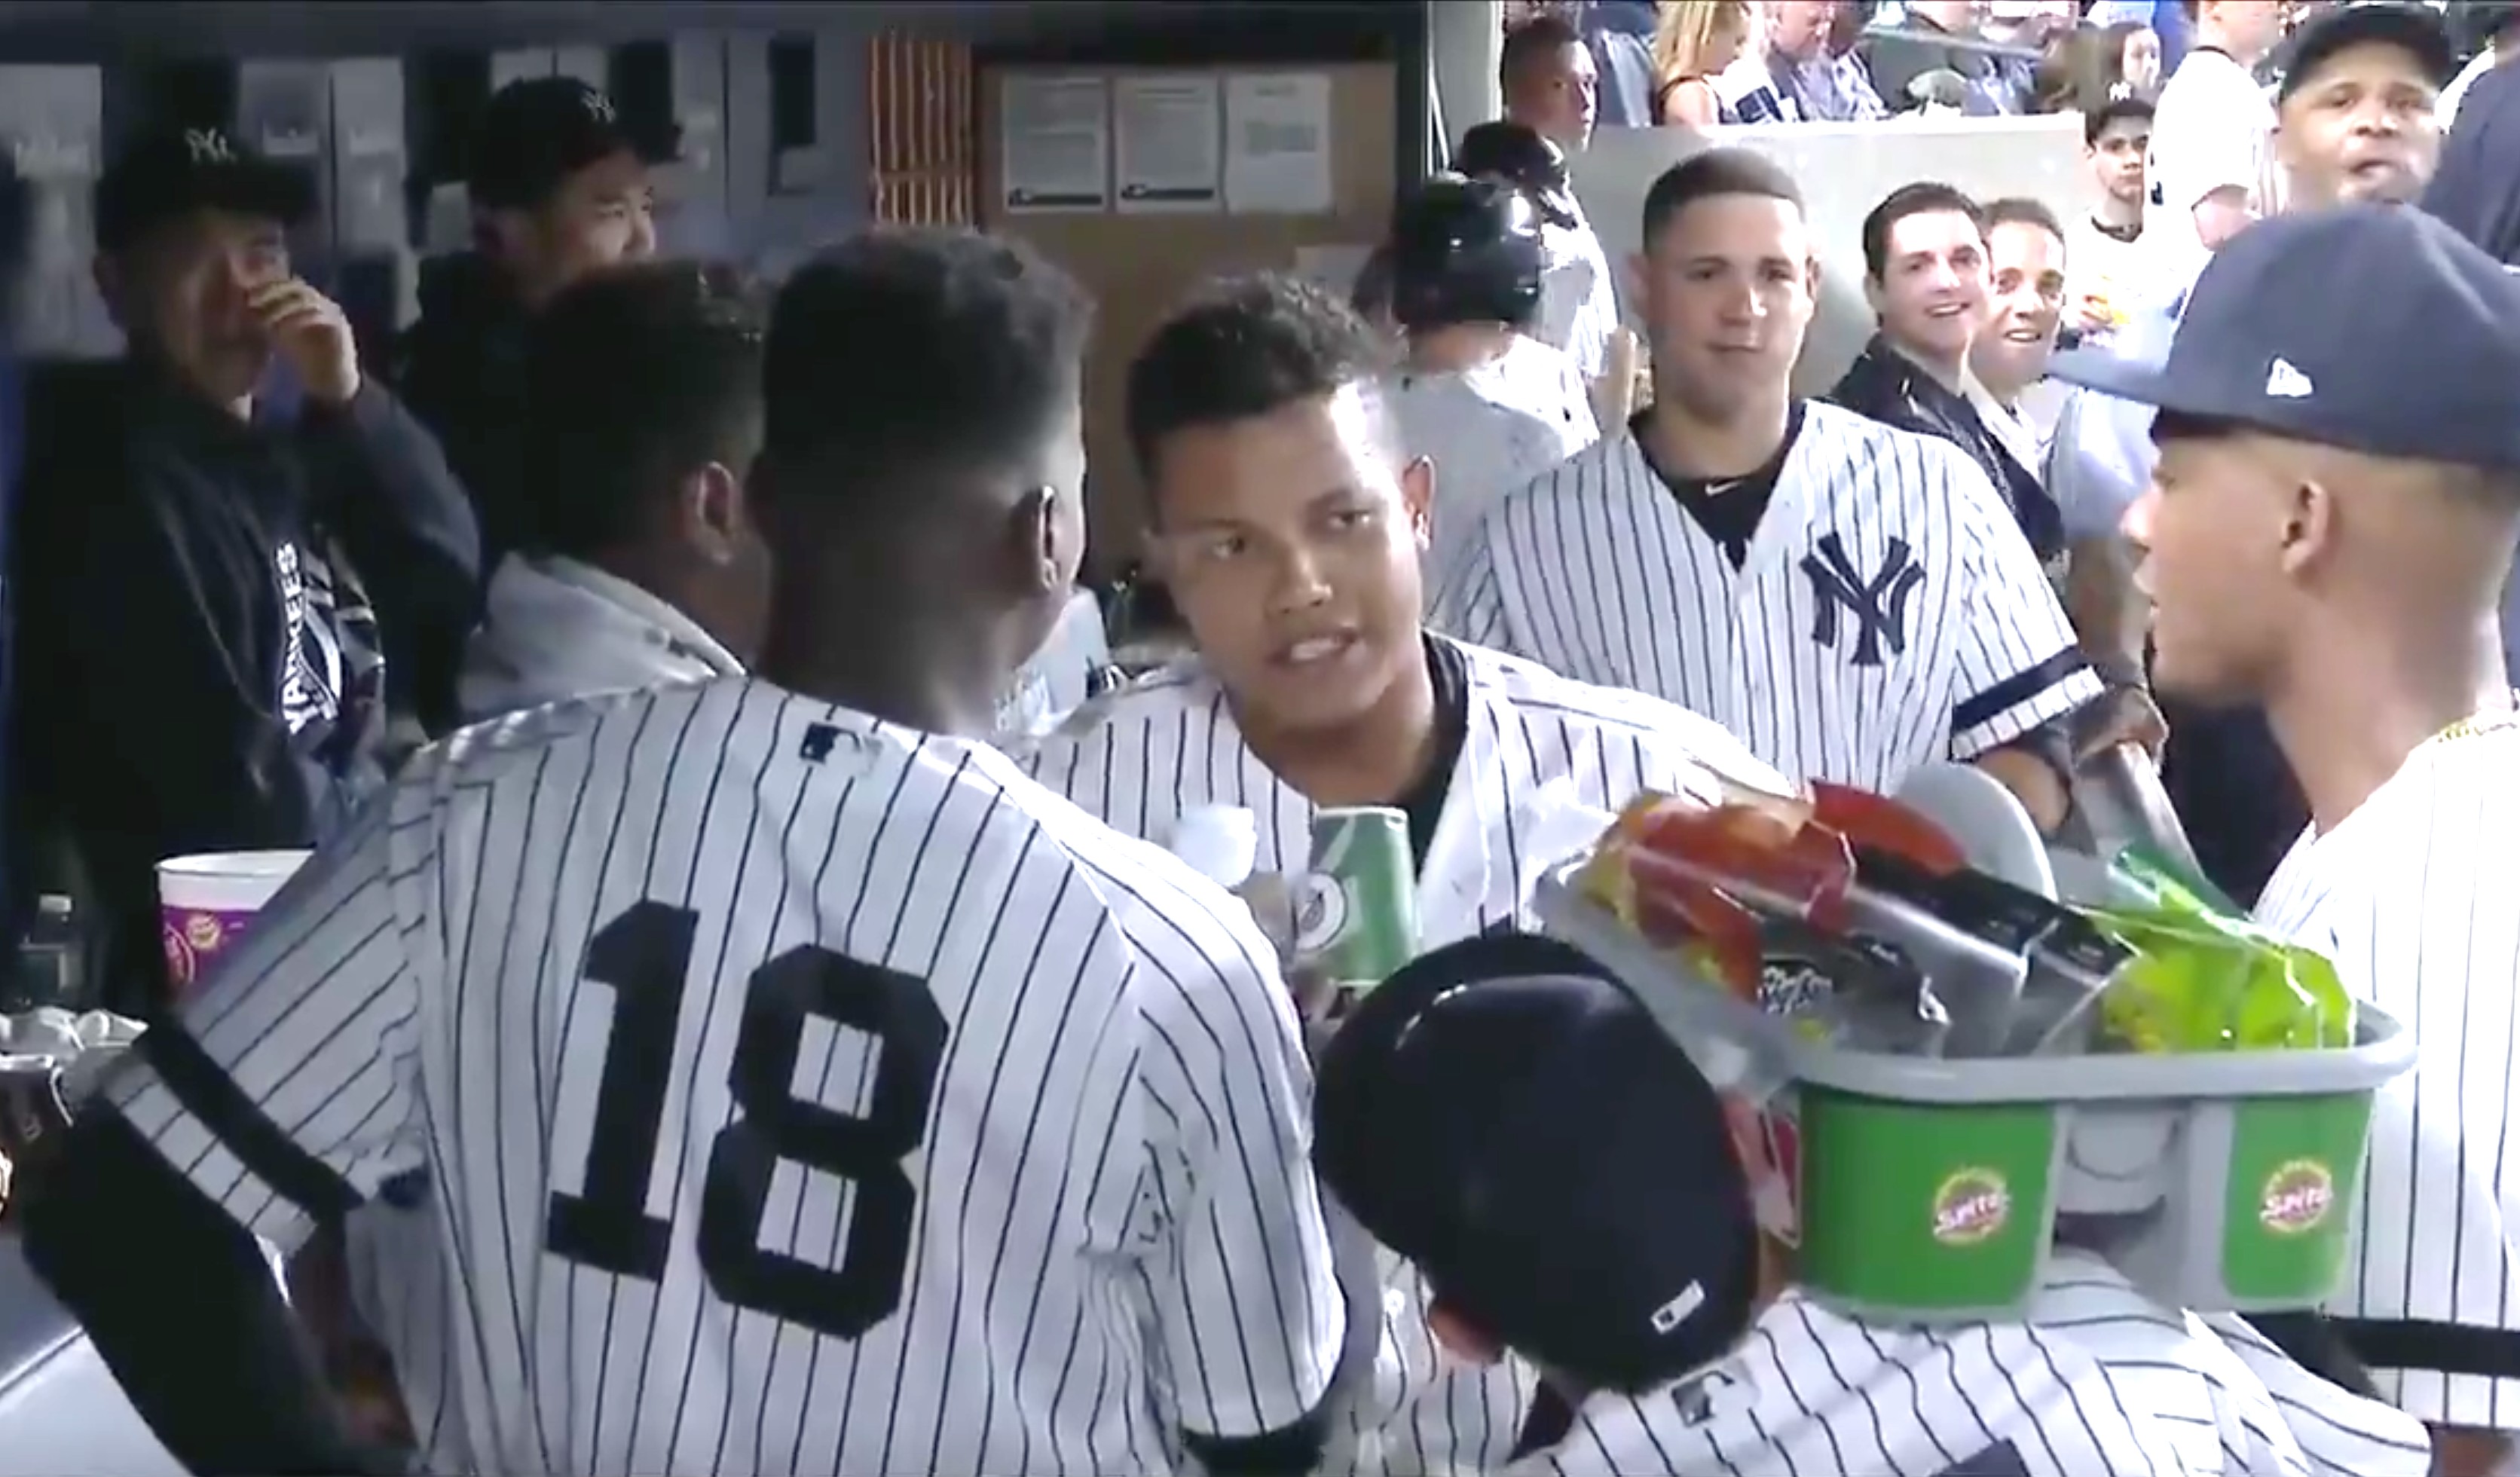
(1357, 920)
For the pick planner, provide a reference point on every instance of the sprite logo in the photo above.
(1971, 1206)
(1320, 913)
(2297, 1197)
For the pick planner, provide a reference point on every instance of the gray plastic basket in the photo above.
(1930, 1187)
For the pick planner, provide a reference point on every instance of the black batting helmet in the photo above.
(1465, 250)
(1525, 159)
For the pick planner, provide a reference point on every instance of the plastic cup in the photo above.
(204, 903)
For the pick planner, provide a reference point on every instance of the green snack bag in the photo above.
(2208, 979)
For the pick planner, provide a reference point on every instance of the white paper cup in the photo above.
(205, 901)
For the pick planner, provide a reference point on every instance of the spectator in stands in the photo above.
(560, 187)
(1944, 36)
(643, 414)
(1692, 46)
(2355, 114)
(1790, 77)
(2030, 263)
(2210, 134)
(2129, 61)
(1620, 35)
(209, 599)
(1547, 81)
(1836, 84)
(2491, 28)
(2108, 272)
(1926, 277)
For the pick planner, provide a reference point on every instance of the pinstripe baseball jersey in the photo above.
(2413, 896)
(1538, 746)
(1489, 430)
(1885, 614)
(798, 1092)
(1813, 1392)
(2233, 1401)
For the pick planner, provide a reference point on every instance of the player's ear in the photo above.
(1047, 528)
(1811, 276)
(1460, 1337)
(2309, 524)
(1418, 495)
(1872, 292)
(1640, 273)
(709, 515)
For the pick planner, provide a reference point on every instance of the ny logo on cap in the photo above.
(2284, 382)
(208, 146)
(597, 105)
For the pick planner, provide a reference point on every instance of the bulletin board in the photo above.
(1157, 212)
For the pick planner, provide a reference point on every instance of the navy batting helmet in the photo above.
(1525, 159)
(1465, 250)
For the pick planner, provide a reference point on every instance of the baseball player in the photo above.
(800, 1087)
(1555, 1166)
(1489, 405)
(2326, 537)
(1850, 600)
(1287, 528)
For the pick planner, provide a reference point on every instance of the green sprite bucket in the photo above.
(1931, 1188)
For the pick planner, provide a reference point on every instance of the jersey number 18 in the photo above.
(644, 957)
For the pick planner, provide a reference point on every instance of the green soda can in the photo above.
(1357, 919)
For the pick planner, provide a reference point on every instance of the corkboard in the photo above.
(1140, 267)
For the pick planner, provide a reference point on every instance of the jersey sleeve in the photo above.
(2339, 1433)
(1249, 1309)
(2019, 665)
(2426, 931)
(285, 1086)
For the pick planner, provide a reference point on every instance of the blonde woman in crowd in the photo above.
(1694, 40)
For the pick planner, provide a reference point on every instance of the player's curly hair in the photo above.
(921, 349)
(637, 378)
(1243, 347)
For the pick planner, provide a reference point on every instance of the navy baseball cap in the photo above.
(2372, 328)
(165, 174)
(2417, 29)
(1510, 1120)
(538, 131)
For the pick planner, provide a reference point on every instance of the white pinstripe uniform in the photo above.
(2413, 897)
(1537, 744)
(1887, 614)
(2235, 1402)
(2095, 1382)
(1489, 430)
(981, 1147)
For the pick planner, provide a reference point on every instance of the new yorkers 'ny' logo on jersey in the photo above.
(1875, 605)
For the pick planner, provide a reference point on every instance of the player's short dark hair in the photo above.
(2022, 210)
(1245, 347)
(1921, 198)
(921, 349)
(2116, 110)
(1531, 41)
(637, 376)
(1710, 173)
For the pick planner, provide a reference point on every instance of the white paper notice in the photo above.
(1166, 146)
(1277, 144)
(1055, 143)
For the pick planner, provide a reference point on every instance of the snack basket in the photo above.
(1931, 1188)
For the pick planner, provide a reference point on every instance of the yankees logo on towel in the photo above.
(1886, 612)
(1538, 747)
(798, 1092)
(1876, 605)
(2412, 896)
